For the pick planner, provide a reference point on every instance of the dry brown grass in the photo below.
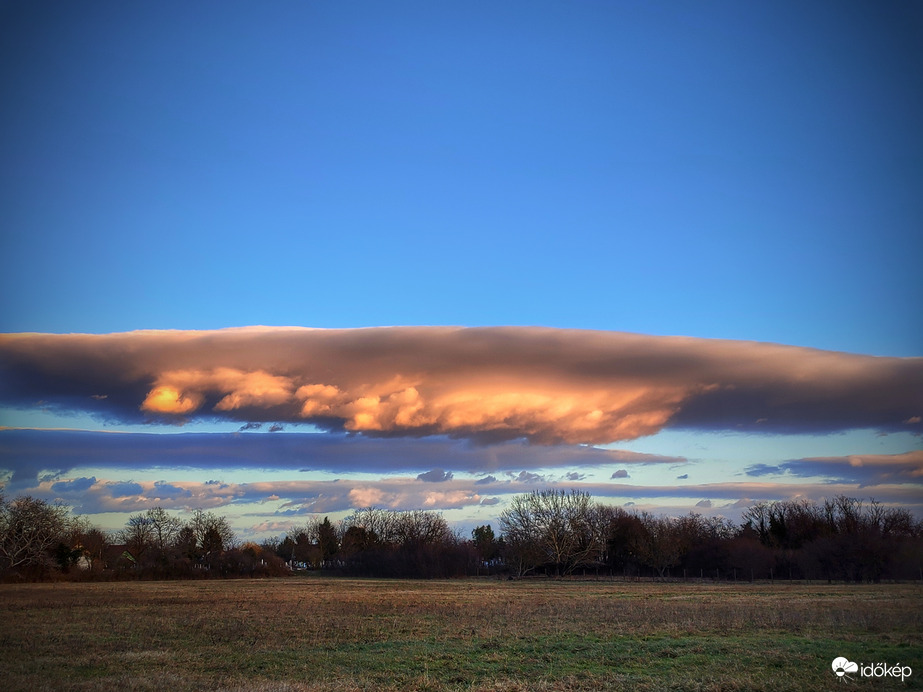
(324, 634)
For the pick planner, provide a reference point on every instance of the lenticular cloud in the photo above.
(545, 385)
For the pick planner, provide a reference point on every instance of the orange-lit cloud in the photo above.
(546, 385)
(180, 392)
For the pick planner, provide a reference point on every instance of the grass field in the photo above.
(334, 634)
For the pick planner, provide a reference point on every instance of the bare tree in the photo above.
(660, 545)
(377, 524)
(622, 530)
(420, 527)
(164, 528)
(756, 518)
(553, 527)
(138, 535)
(212, 533)
(29, 529)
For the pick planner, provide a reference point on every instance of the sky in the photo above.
(294, 259)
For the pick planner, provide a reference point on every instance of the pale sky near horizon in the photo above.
(717, 170)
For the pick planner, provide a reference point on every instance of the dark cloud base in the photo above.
(28, 452)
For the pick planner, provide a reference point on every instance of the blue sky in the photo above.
(717, 170)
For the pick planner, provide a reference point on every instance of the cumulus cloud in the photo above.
(621, 473)
(76, 485)
(124, 488)
(163, 490)
(311, 497)
(183, 391)
(764, 470)
(526, 477)
(545, 385)
(435, 476)
(103, 496)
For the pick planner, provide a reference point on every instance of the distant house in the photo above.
(117, 556)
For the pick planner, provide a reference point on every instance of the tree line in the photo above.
(842, 538)
(42, 540)
(548, 532)
(381, 543)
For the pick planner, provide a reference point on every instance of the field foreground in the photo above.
(317, 634)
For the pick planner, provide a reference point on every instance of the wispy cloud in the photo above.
(489, 384)
(864, 469)
(747, 493)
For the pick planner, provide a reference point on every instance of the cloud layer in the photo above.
(297, 498)
(28, 453)
(548, 386)
(261, 477)
(863, 469)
